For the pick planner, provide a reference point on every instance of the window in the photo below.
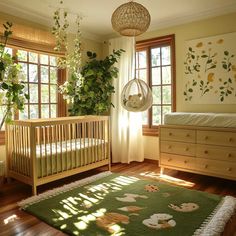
(155, 64)
(41, 83)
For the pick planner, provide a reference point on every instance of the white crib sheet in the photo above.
(201, 119)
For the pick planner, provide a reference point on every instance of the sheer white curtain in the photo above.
(127, 143)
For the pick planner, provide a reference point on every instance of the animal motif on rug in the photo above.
(130, 208)
(151, 188)
(160, 221)
(108, 220)
(129, 197)
(184, 207)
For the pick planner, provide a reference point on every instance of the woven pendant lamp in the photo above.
(131, 19)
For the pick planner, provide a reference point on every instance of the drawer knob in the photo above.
(185, 162)
(231, 139)
(229, 155)
(229, 169)
(206, 152)
(206, 166)
(169, 159)
(170, 134)
(169, 147)
(206, 137)
(187, 135)
(186, 149)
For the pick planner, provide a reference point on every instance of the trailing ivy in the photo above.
(12, 96)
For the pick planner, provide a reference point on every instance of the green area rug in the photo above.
(113, 204)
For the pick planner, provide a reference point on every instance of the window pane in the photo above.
(165, 55)
(53, 61)
(156, 115)
(44, 74)
(45, 111)
(26, 91)
(156, 92)
(53, 93)
(145, 118)
(44, 59)
(166, 93)
(155, 54)
(33, 92)
(156, 76)
(34, 111)
(33, 57)
(143, 74)
(165, 110)
(33, 73)
(44, 93)
(24, 70)
(53, 111)
(53, 75)
(2, 111)
(8, 50)
(166, 75)
(142, 59)
(21, 55)
(23, 115)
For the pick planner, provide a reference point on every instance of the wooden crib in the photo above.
(43, 150)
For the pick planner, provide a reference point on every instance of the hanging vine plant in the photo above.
(12, 96)
(88, 89)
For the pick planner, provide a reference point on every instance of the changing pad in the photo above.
(201, 119)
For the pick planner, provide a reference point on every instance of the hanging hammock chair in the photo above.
(136, 96)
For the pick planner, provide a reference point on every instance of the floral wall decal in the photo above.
(210, 70)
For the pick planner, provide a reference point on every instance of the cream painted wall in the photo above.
(209, 27)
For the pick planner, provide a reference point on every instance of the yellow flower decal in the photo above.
(220, 41)
(199, 45)
(210, 77)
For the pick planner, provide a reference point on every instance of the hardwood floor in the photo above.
(16, 222)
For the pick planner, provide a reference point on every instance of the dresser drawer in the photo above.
(217, 138)
(216, 167)
(187, 149)
(216, 152)
(172, 160)
(181, 135)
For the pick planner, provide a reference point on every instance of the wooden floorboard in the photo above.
(24, 224)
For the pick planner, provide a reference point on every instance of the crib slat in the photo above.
(60, 140)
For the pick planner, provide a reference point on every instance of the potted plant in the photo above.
(90, 92)
(12, 96)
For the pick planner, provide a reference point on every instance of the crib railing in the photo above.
(43, 150)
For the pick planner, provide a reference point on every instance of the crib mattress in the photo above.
(57, 157)
(201, 119)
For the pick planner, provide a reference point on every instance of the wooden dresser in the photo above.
(203, 150)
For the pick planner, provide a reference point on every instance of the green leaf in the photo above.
(226, 53)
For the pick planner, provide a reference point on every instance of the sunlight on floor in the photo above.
(168, 179)
(10, 219)
(79, 206)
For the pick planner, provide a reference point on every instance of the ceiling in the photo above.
(97, 13)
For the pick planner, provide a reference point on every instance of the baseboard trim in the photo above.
(151, 161)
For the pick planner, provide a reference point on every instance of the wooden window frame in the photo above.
(61, 73)
(147, 45)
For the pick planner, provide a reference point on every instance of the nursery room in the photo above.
(118, 117)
